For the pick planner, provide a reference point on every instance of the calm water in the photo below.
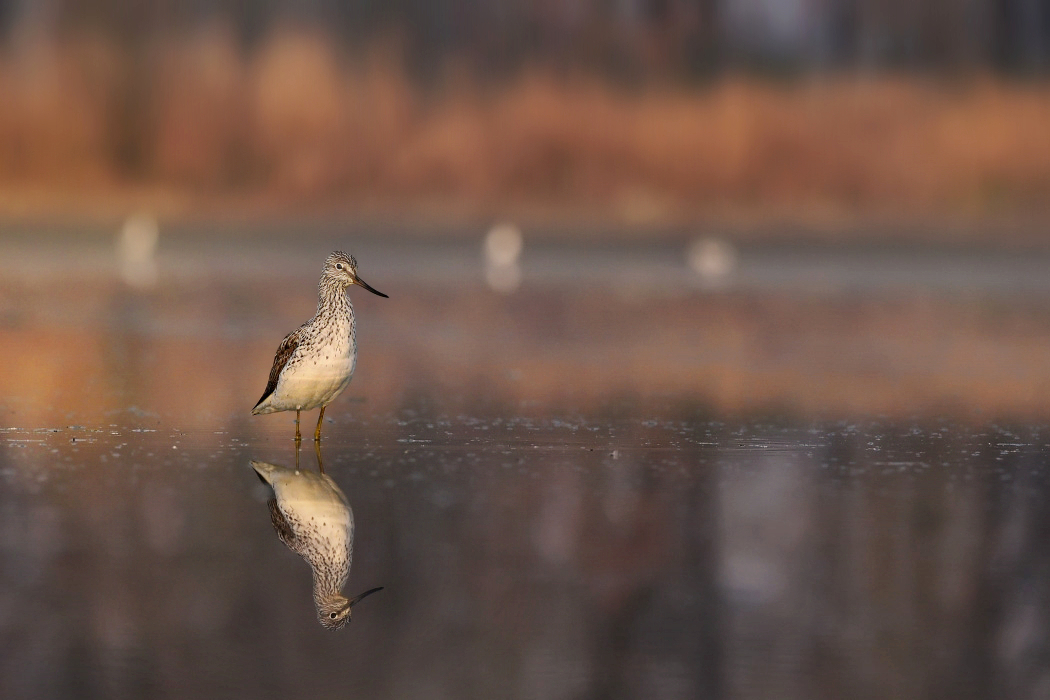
(579, 489)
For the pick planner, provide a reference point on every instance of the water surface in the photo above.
(654, 489)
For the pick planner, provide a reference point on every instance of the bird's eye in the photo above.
(339, 266)
(333, 615)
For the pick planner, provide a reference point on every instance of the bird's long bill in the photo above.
(356, 599)
(361, 283)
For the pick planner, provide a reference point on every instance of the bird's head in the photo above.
(334, 611)
(343, 269)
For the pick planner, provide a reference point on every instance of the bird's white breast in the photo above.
(329, 526)
(317, 372)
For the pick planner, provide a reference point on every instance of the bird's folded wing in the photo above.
(284, 353)
(284, 530)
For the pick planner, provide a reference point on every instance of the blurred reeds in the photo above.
(297, 119)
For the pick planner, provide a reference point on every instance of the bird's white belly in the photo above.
(314, 381)
(329, 522)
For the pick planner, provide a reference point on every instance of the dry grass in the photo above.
(298, 121)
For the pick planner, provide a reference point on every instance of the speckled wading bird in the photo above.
(315, 362)
(312, 516)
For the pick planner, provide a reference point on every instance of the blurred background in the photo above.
(634, 112)
(715, 363)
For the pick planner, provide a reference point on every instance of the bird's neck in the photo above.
(332, 300)
(328, 583)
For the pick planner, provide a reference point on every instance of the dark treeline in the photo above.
(680, 39)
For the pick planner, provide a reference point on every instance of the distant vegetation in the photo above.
(292, 116)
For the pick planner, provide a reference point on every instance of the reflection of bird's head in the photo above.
(342, 268)
(334, 611)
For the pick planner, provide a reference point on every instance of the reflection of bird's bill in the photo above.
(356, 599)
(361, 283)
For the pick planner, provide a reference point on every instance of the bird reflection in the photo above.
(312, 516)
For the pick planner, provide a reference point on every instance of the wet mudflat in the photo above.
(575, 488)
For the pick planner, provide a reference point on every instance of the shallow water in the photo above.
(574, 490)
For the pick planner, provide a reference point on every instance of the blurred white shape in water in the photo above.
(502, 247)
(712, 259)
(503, 244)
(503, 278)
(137, 249)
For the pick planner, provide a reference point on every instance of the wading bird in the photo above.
(315, 362)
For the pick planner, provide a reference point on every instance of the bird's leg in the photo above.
(297, 456)
(317, 433)
(298, 437)
(317, 451)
